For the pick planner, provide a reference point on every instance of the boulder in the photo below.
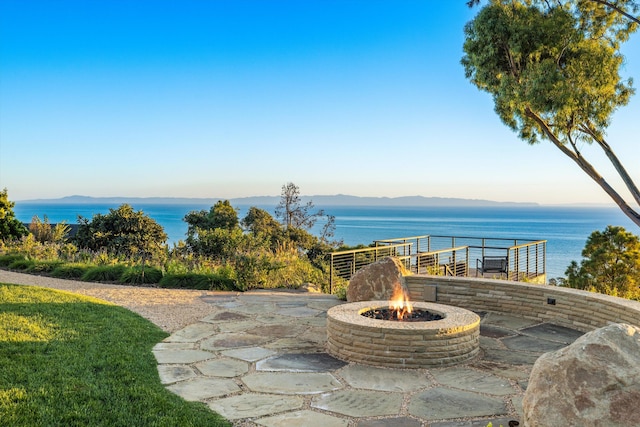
(377, 281)
(594, 382)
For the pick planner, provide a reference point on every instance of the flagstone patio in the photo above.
(260, 360)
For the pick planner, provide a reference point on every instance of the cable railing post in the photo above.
(353, 265)
(537, 260)
(466, 271)
(330, 273)
(544, 257)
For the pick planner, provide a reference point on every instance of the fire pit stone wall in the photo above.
(355, 338)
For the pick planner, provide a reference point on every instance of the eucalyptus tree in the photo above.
(553, 69)
(618, 10)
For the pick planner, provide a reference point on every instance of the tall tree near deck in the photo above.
(553, 70)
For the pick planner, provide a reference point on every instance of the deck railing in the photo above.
(344, 264)
(509, 259)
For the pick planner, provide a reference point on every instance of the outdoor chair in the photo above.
(492, 264)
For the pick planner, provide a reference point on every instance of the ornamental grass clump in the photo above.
(44, 267)
(22, 264)
(7, 259)
(140, 275)
(71, 270)
(104, 273)
(206, 282)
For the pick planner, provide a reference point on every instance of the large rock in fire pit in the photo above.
(593, 382)
(377, 281)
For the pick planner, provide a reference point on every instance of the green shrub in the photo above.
(104, 273)
(206, 282)
(71, 271)
(141, 275)
(67, 251)
(22, 264)
(44, 266)
(174, 266)
(293, 274)
(340, 291)
(122, 231)
(226, 271)
(252, 270)
(8, 259)
(338, 287)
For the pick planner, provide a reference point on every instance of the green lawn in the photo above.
(69, 360)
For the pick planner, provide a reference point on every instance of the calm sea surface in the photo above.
(565, 228)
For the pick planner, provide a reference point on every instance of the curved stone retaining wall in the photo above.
(572, 308)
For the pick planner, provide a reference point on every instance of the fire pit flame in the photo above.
(400, 303)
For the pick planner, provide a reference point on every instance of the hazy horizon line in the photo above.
(326, 198)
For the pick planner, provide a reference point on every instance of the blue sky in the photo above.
(235, 98)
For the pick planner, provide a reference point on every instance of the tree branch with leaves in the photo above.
(552, 68)
(623, 7)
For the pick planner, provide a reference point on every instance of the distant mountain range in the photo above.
(319, 200)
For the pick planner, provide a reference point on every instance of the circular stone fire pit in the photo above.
(397, 344)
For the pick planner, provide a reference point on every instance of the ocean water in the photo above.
(565, 228)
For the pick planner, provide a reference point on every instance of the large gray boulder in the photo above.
(377, 281)
(594, 382)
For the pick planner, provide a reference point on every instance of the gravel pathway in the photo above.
(170, 309)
